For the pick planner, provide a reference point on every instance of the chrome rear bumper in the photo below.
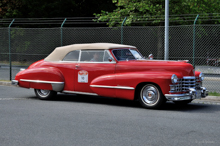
(14, 82)
(193, 94)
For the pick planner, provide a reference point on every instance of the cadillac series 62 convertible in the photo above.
(112, 70)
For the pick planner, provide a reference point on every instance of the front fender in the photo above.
(197, 73)
(132, 79)
(104, 85)
(47, 78)
(123, 85)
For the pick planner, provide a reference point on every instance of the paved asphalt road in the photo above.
(86, 120)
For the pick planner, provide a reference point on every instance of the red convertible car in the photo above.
(112, 70)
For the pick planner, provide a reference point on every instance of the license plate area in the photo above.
(198, 94)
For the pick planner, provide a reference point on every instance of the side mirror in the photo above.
(151, 57)
(110, 59)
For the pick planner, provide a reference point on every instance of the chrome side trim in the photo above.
(113, 62)
(114, 87)
(56, 86)
(40, 81)
(76, 92)
(99, 62)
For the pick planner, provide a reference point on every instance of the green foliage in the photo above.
(52, 8)
(19, 46)
(16, 33)
(214, 94)
(134, 10)
(152, 11)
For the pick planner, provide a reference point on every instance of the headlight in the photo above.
(174, 79)
(201, 76)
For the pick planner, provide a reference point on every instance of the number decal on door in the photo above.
(83, 76)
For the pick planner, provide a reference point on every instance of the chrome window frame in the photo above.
(80, 54)
(70, 52)
(131, 53)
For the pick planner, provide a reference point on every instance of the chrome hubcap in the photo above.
(149, 95)
(43, 93)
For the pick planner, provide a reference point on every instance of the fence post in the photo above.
(122, 30)
(194, 37)
(166, 38)
(61, 32)
(9, 45)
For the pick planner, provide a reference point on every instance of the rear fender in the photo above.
(47, 78)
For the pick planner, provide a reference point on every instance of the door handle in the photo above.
(77, 66)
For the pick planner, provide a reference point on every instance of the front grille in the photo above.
(188, 82)
(183, 84)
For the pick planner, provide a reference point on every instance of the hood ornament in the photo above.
(151, 57)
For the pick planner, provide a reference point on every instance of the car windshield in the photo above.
(127, 54)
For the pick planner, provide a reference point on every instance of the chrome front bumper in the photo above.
(193, 94)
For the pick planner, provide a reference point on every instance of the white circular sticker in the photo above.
(83, 76)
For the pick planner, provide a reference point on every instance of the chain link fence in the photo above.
(28, 45)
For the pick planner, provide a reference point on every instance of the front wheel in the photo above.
(45, 94)
(150, 96)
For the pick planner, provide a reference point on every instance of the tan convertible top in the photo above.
(60, 52)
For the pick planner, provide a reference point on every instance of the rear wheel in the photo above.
(150, 96)
(45, 94)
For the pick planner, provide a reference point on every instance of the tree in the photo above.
(52, 8)
(9, 8)
(153, 11)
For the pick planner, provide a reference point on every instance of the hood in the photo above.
(180, 67)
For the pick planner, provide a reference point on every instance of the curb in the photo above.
(5, 83)
(16, 66)
(211, 79)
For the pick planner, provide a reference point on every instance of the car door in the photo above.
(67, 67)
(95, 65)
